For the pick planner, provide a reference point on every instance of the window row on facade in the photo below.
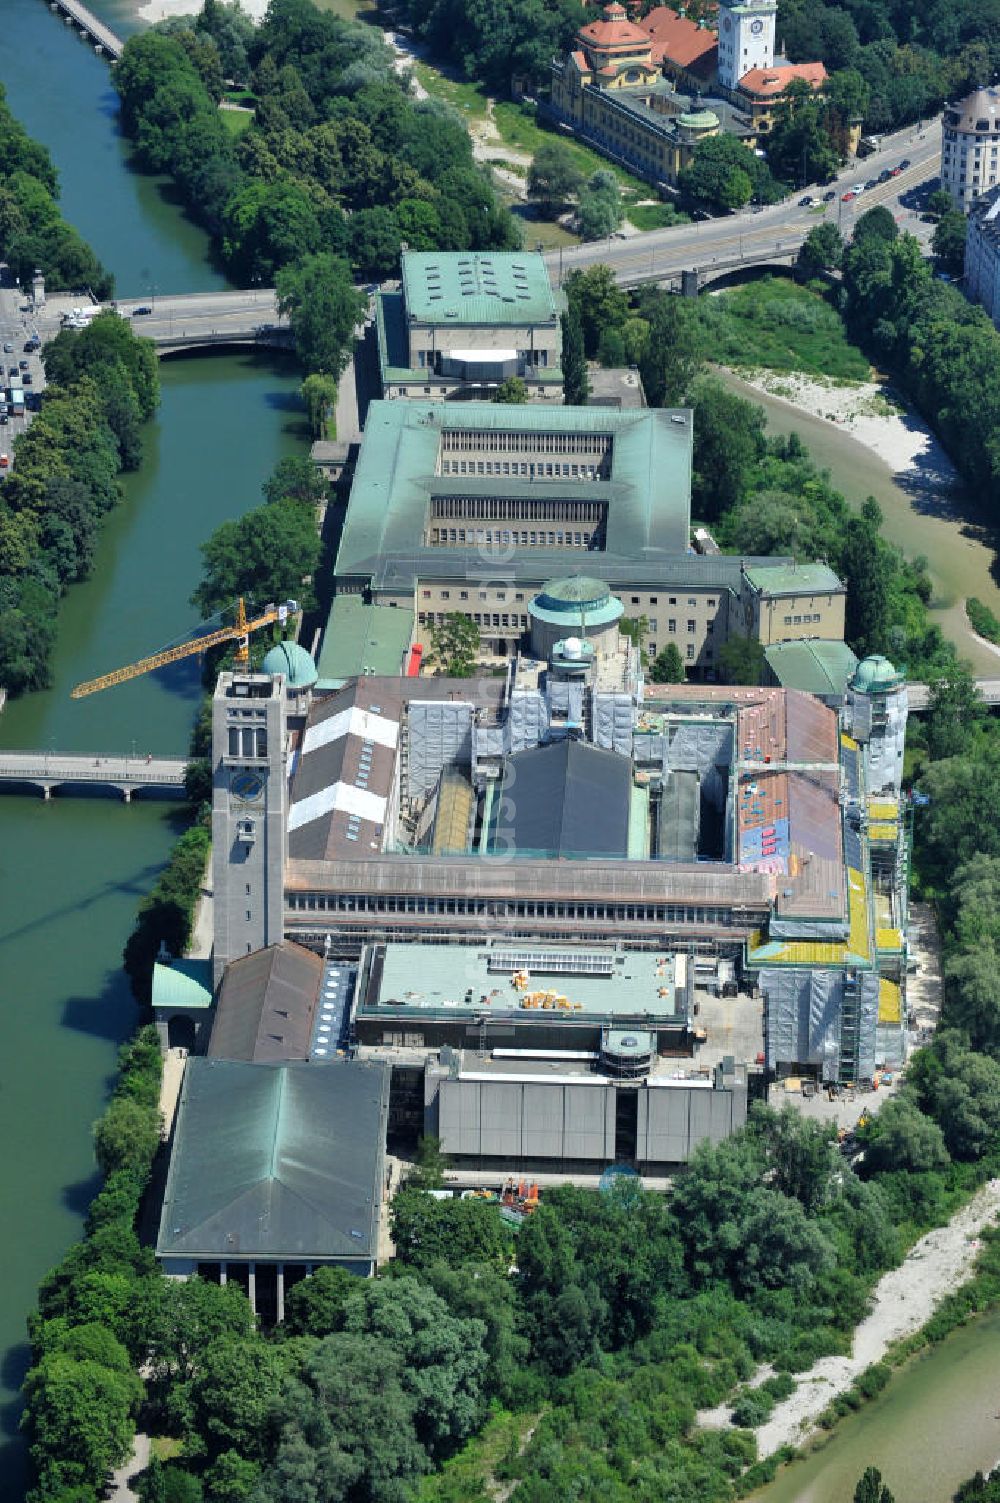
(648, 913)
(451, 537)
(501, 441)
(516, 509)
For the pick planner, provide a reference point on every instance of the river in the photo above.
(958, 548)
(73, 871)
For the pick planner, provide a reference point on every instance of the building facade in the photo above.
(746, 39)
(462, 322)
(982, 253)
(970, 147)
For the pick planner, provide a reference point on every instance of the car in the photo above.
(8, 348)
(829, 197)
(4, 419)
(871, 183)
(807, 201)
(884, 175)
(26, 378)
(30, 346)
(904, 164)
(4, 461)
(12, 370)
(857, 188)
(24, 365)
(142, 308)
(845, 198)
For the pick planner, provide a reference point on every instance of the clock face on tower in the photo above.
(246, 787)
(756, 27)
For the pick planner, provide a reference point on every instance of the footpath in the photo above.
(903, 1301)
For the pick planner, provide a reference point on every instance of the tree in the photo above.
(900, 1137)
(948, 243)
(871, 1488)
(741, 661)
(455, 645)
(728, 444)
(319, 394)
(429, 1164)
(822, 249)
(127, 1136)
(315, 1306)
(512, 392)
(554, 176)
(576, 388)
(265, 555)
(635, 629)
(600, 206)
(955, 708)
(802, 146)
(667, 667)
(426, 1230)
(876, 224)
(594, 298)
(235, 1384)
(939, 203)
(78, 1420)
(673, 353)
(723, 176)
(295, 478)
(864, 568)
(323, 310)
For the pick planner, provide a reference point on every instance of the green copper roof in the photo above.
(293, 661)
(699, 120)
(477, 287)
(362, 638)
(184, 983)
(570, 594)
(647, 495)
(816, 665)
(794, 579)
(874, 674)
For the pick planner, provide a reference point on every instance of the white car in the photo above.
(858, 188)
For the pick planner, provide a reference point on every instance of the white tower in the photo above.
(875, 710)
(746, 38)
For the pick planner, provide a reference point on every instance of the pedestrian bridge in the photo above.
(102, 37)
(918, 695)
(75, 770)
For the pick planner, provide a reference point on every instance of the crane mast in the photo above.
(239, 632)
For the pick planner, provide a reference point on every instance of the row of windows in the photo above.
(247, 741)
(464, 595)
(802, 620)
(447, 537)
(672, 600)
(648, 913)
(427, 359)
(516, 509)
(532, 469)
(484, 618)
(455, 440)
(652, 649)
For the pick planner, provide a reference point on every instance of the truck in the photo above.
(79, 318)
(16, 399)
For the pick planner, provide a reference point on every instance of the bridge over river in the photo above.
(103, 38)
(75, 770)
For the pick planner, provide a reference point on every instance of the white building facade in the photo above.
(746, 39)
(982, 254)
(970, 147)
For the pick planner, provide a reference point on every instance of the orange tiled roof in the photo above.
(677, 39)
(770, 82)
(614, 31)
(581, 61)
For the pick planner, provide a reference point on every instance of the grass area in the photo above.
(521, 129)
(473, 1472)
(782, 326)
(468, 98)
(245, 97)
(982, 619)
(236, 121)
(654, 216)
(347, 10)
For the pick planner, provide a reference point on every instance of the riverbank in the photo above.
(873, 415)
(903, 1301)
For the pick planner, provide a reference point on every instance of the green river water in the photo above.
(72, 871)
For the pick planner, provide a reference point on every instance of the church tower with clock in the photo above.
(248, 814)
(746, 38)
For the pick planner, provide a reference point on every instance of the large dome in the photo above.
(874, 675)
(294, 662)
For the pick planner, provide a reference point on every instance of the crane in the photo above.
(239, 632)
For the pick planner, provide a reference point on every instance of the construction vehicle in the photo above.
(238, 632)
(518, 1199)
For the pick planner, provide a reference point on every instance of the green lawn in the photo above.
(782, 326)
(468, 98)
(520, 128)
(236, 121)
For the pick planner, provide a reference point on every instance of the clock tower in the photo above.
(746, 38)
(248, 814)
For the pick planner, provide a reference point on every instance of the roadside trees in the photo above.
(554, 178)
(822, 249)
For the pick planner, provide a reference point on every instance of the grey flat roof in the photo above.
(276, 1161)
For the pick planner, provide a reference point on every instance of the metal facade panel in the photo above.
(700, 1119)
(668, 1134)
(585, 1114)
(721, 1116)
(458, 1116)
(502, 1108)
(542, 1120)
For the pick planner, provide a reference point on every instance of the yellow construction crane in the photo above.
(238, 632)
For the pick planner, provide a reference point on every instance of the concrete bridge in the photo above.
(73, 770)
(87, 23)
(918, 695)
(206, 320)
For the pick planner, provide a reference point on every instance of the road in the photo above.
(15, 326)
(182, 319)
(661, 254)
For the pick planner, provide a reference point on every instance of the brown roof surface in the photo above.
(266, 1004)
(768, 83)
(677, 39)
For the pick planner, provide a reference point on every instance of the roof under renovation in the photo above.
(276, 1161)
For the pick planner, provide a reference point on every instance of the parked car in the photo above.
(8, 348)
(895, 171)
(4, 461)
(829, 197)
(142, 308)
(26, 378)
(846, 197)
(4, 419)
(24, 365)
(904, 164)
(806, 202)
(884, 175)
(12, 370)
(871, 183)
(857, 189)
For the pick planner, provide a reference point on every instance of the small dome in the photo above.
(875, 674)
(699, 120)
(294, 662)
